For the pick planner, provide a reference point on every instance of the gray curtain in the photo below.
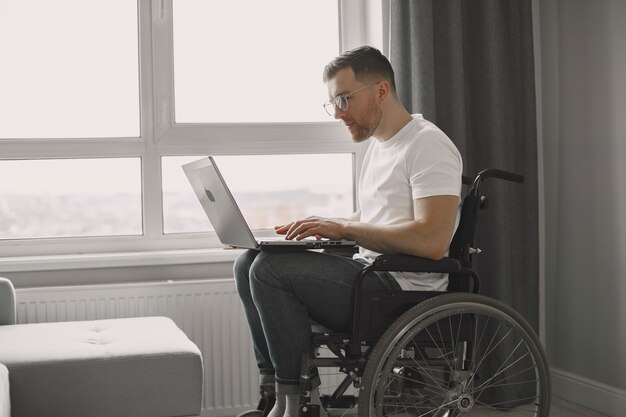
(467, 65)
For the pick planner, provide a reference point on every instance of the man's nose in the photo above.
(339, 114)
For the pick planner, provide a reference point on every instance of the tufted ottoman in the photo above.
(122, 367)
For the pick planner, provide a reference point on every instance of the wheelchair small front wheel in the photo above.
(457, 354)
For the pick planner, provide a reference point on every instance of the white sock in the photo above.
(279, 406)
(289, 405)
(292, 408)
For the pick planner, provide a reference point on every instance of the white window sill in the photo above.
(116, 259)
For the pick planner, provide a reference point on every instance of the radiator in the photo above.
(208, 311)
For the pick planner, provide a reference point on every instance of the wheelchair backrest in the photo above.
(461, 247)
(464, 236)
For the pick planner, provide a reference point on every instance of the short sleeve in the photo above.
(435, 166)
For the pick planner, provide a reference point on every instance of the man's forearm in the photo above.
(411, 238)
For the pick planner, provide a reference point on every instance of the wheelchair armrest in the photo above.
(408, 263)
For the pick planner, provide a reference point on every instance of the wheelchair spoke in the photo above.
(523, 371)
(437, 387)
(492, 349)
(500, 370)
(444, 356)
(500, 382)
(466, 359)
(482, 335)
(430, 374)
(458, 334)
(512, 384)
(426, 388)
(486, 355)
(476, 346)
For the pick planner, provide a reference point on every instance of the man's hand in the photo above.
(318, 227)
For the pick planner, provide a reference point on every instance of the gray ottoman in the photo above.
(123, 367)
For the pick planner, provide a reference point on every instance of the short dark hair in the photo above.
(367, 63)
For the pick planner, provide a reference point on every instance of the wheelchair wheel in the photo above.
(457, 354)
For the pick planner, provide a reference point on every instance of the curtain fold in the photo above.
(468, 66)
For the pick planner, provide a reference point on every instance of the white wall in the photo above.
(583, 92)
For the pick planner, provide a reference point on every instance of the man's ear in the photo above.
(383, 90)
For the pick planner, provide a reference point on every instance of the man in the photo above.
(409, 194)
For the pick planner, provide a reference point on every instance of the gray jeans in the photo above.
(283, 292)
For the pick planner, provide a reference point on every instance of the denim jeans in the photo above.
(282, 292)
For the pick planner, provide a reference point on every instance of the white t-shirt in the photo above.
(419, 161)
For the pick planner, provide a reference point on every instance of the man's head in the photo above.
(367, 63)
(360, 86)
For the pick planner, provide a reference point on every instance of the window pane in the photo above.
(253, 61)
(269, 189)
(70, 197)
(69, 69)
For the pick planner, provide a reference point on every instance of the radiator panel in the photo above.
(208, 311)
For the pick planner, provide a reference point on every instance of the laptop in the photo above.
(225, 216)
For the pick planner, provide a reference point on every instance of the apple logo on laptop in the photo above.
(210, 195)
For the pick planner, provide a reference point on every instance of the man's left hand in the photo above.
(318, 227)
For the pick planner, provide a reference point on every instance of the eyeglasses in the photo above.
(341, 101)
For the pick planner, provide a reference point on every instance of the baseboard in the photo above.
(588, 393)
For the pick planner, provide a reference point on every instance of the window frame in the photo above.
(160, 136)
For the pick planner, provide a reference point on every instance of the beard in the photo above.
(363, 130)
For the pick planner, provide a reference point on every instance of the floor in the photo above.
(558, 408)
(562, 408)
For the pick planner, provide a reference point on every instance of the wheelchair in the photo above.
(430, 353)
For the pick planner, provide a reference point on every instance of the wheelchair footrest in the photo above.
(343, 402)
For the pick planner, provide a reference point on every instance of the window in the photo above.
(70, 198)
(259, 61)
(102, 102)
(65, 73)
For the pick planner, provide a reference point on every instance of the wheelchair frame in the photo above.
(379, 357)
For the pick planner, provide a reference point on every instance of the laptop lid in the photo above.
(218, 203)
